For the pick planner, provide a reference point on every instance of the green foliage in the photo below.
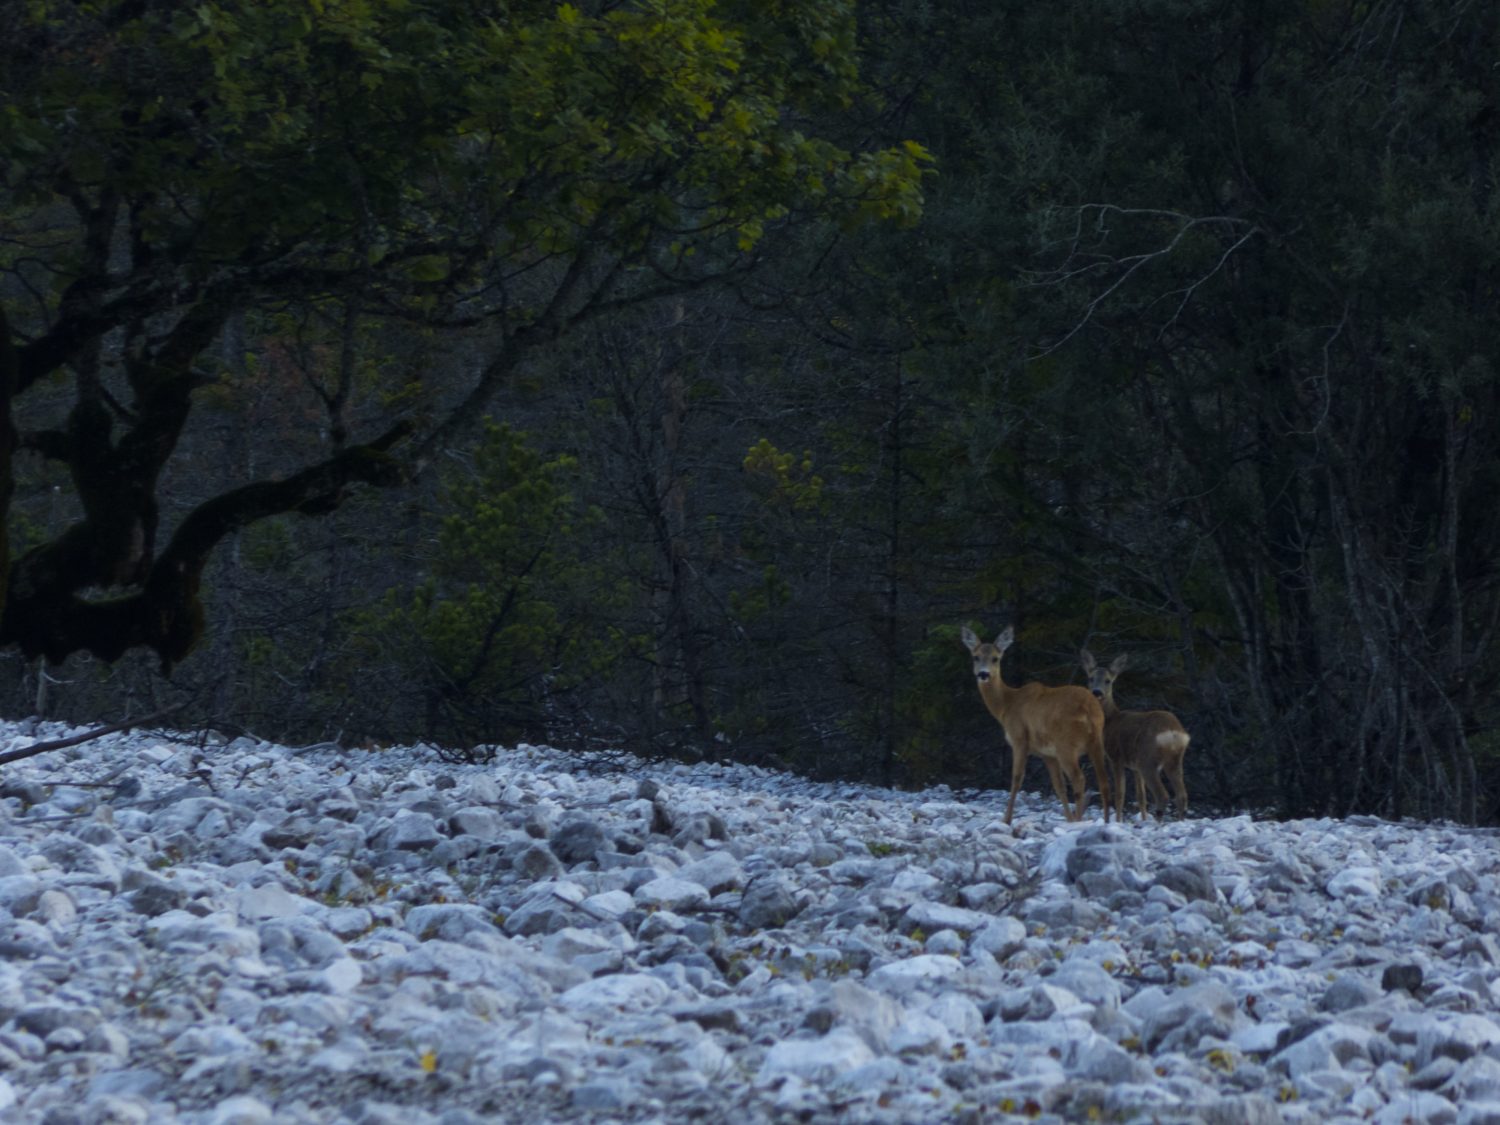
(946, 734)
(269, 123)
(792, 481)
(268, 546)
(754, 603)
(514, 610)
(1242, 359)
(502, 171)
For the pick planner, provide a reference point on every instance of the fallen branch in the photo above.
(88, 736)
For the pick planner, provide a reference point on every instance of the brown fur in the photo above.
(1147, 743)
(1059, 724)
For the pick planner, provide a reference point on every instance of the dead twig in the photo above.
(88, 736)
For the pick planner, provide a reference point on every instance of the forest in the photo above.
(681, 377)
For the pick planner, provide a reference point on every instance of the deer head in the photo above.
(1102, 680)
(987, 656)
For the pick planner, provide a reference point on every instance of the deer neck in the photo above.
(997, 695)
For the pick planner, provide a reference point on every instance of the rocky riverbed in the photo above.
(245, 933)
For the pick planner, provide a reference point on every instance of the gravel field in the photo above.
(241, 933)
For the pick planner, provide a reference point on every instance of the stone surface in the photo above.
(256, 935)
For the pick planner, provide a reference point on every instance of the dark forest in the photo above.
(681, 377)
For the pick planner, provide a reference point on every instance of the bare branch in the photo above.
(88, 736)
(1128, 266)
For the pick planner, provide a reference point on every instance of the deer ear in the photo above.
(1119, 663)
(969, 638)
(1086, 658)
(1007, 638)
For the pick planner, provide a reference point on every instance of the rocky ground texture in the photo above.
(245, 933)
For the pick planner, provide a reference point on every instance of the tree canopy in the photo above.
(508, 170)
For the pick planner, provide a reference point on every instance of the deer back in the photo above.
(1144, 736)
(1067, 716)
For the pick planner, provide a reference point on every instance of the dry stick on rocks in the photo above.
(88, 736)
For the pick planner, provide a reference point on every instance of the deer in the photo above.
(1148, 743)
(1060, 725)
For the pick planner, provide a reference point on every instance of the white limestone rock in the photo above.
(631, 992)
(716, 872)
(927, 971)
(671, 893)
(1331, 1047)
(1356, 882)
(871, 1015)
(818, 1060)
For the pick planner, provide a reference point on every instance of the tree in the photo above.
(514, 612)
(1264, 247)
(504, 173)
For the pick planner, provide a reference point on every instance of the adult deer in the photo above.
(1148, 743)
(1058, 724)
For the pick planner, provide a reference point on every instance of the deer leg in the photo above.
(1080, 787)
(1017, 772)
(1059, 786)
(1179, 787)
(1102, 768)
(1158, 792)
(1129, 775)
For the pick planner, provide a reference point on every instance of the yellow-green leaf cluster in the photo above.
(421, 148)
(794, 484)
